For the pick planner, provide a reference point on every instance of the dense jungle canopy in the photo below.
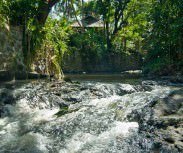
(152, 28)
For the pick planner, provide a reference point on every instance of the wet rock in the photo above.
(63, 110)
(86, 88)
(72, 100)
(177, 79)
(143, 88)
(21, 75)
(149, 83)
(67, 79)
(7, 97)
(32, 75)
(6, 75)
(1, 111)
(8, 110)
(57, 94)
(169, 140)
(163, 121)
(53, 85)
(159, 117)
(61, 105)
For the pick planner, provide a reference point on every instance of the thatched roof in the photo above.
(89, 21)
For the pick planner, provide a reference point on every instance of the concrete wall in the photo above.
(112, 63)
(11, 54)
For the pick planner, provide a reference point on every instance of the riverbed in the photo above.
(90, 115)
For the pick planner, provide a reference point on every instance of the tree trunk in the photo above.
(107, 36)
(125, 42)
(82, 9)
(44, 10)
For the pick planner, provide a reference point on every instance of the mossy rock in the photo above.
(62, 111)
(113, 106)
(65, 110)
(67, 79)
(119, 115)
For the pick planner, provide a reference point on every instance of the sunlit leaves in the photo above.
(132, 34)
(55, 44)
(166, 37)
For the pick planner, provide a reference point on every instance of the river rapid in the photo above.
(99, 117)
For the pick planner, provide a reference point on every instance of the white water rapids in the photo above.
(97, 124)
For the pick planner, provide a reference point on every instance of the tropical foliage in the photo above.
(165, 38)
(152, 28)
(55, 44)
(90, 44)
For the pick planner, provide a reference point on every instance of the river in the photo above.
(101, 116)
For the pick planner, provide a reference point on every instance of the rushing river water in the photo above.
(99, 118)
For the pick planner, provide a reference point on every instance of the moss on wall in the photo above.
(11, 48)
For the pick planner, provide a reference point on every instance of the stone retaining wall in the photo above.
(11, 54)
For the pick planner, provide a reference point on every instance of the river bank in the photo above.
(20, 75)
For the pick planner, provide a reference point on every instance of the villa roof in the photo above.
(89, 21)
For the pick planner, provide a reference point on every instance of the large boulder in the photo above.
(162, 122)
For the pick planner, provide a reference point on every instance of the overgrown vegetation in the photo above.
(90, 44)
(165, 38)
(56, 37)
(152, 28)
(3, 16)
